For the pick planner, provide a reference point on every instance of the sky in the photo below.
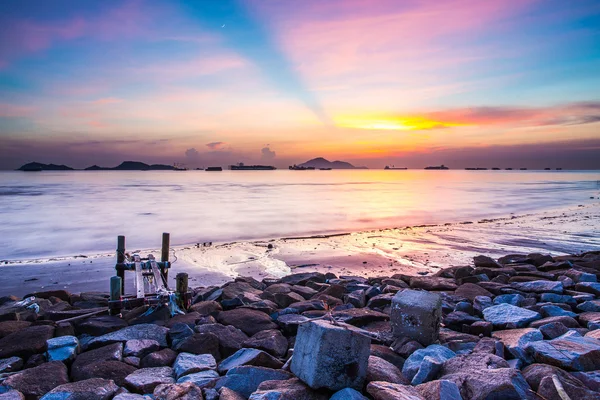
(466, 83)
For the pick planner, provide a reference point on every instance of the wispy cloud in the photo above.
(215, 145)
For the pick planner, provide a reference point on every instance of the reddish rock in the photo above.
(37, 381)
(26, 342)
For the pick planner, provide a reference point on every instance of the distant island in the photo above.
(124, 166)
(322, 163)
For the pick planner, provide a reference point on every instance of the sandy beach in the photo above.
(410, 250)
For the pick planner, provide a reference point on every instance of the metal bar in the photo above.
(164, 255)
(121, 259)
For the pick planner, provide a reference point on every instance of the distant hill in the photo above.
(321, 162)
(36, 166)
(133, 166)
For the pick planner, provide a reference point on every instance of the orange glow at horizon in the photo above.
(394, 123)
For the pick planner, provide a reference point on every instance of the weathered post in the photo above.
(121, 260)
(115, 292)
(182, 287)
(164, 256)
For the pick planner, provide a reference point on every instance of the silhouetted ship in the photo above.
(437, 167)
(393, 167)
(495, 169)
(242, 167)
(324, 169)
(214, 169)
(559, 169)
(300, 168)
(476, 169)
(523, 169)
(509, 169)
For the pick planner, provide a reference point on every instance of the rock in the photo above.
(553, 330)
(486, 262)
(284, 300)
(569, 322)
(572, 387)
(439, 390)
(237, 289)
(438, 353)
(246, 379)
(480, 303)
(130, 396)
(162, 358)
(572, 353)
(8, 327)
(303, 278)
(482, 384)
(357, 298)
(178, 333)
(98, 326)
(228, 394)
(456, 319)
(230, 338)
(206, 307)
(505, 315)
(387, 354)
(248, 321)
(26, 342)
(392, 391)
(289, 323)
(145, 380)
(430, 283)
(271, 341)
(359, 316)
(590, 305)
(471, 291)
(555, 311)
(512, 299)
(379, 369)
(11, 395)
(249, 357)
(200, 343)
(330, 356)
(589, 317)
(141, 331)
(416, 315)
(347, 394)
(113, 370)
(140, 347)
(475, 361)
(64, 348)
(202, 379)
(178, 391)
(90, 389)
(187, 363)
(534, 374)
(588, 287)
(539, 286)
(189, 319)
(11, 364)
(306, 292)
(517, 340)
(291, 389)
(484, 328)
(111, 352)
(590, 379)
(37, 381)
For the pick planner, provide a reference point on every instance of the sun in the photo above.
(392, 123)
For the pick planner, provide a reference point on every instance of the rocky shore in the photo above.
(519, 327)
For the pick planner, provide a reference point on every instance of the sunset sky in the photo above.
(373, 82)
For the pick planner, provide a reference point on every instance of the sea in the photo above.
(54, 214)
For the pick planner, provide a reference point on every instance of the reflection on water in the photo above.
(65, 213)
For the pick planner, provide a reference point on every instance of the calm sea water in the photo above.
(49, 214)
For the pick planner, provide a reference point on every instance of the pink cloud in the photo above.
(107, 100)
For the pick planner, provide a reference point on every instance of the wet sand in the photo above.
(408, 250)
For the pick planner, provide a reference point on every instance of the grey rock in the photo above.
(110, 370)
(428, 370)
(37, 381)
(145, 380)
(517, 340)
(11, 394)
(11, 364)
(63, 348)
(140, 347)
(572, 353)
(271, 341)
(161, 358)
(248, 321)
(230, 338)
(141, 331)
(347, 394)
(202, 379)
(439, 390)
(512, 299)
(555, 311)
(246, 379)
(416, 315)
(553, 330)
(187, 363)
(248, 356)
(506, 315)
(434, 351)
(330, 356)
(90, 389)
(539, 286)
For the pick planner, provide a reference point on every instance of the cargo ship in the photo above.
(242, 167)
(438, 167)
(214, 169)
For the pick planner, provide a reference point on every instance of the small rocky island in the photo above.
(520, 327)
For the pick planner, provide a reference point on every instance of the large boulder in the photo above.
(330, 356)
(416, 315)
(8, 327)
(187, 363)
(37, 381)
(98, 326)
(112, 370)
(90, 389)
(200, 343)
(26, 342)
(230, 337)
(505, 316)
(539, 286)
(484, 384)
(140, 331)
(247, 320)
(517, 340)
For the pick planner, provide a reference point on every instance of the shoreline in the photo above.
(411, 250)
